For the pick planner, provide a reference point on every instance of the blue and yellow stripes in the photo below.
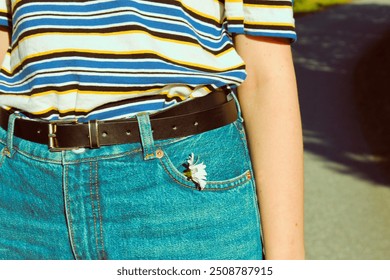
(108, 59)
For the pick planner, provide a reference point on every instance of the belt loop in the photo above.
(234, 96)
(93, 129)
(10, 134)
(146, 135)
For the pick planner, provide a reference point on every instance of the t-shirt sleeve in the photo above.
(5, 13)
(270, 18)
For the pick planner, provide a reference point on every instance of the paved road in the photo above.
(347, 208)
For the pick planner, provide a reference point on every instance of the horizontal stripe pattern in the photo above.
(271, 18)
(113, 58)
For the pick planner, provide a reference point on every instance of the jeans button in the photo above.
(159, 153)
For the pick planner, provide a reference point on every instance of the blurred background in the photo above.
(342, 60)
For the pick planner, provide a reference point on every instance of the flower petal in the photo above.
(197, 171)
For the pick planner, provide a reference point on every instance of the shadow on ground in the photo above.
(372, 89)
(330, 47)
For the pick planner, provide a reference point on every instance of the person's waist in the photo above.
(188, 118)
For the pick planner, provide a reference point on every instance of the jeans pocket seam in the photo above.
(213, 186)
(173, 177)
(2, 156)
(231, 183)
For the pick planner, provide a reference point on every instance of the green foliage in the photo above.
(304, 6)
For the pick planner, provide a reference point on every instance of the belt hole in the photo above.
(39, 131)
(174, 127)
(104, 134)
(196, 123)
(128, 132)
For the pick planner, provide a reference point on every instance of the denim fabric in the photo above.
(118, 202)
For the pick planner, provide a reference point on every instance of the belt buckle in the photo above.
(53, 143)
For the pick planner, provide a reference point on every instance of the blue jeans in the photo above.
(129, 201)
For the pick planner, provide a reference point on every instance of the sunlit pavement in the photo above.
(376, 2)
(347, 208)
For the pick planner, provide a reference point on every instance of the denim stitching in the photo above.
(237, 182)
(257, 213)
(10, 133)
(243, 182)
(242, 177)
(177, 181)
(102, 252)
(124, 154)
(255, 200)
(256, 210)
(2, 156)
(30, 156)
(244, 144)
(146, 135)
(93, 206)
(69, 215)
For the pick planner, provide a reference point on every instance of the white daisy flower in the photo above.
(196, 172)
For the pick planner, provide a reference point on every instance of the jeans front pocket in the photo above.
(179, 177)
(220, 221)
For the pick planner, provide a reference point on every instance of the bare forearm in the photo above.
(4, 43)
(271, 112)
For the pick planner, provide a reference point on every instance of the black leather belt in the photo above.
(192, 117)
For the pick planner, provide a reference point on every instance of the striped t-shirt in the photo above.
(106, 59)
